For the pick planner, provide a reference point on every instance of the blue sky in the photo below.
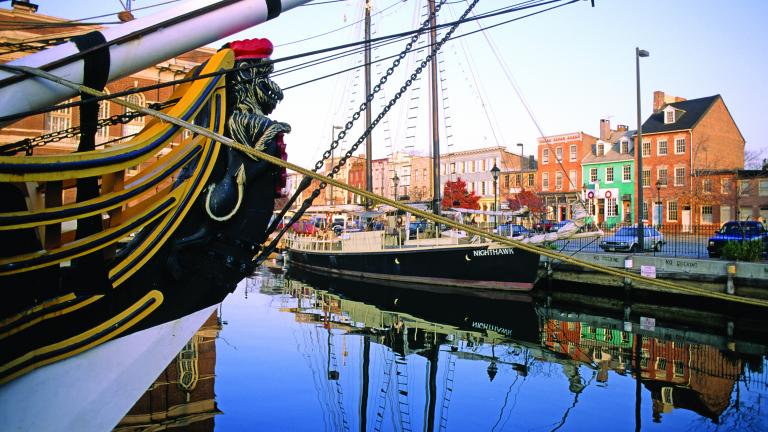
(574, 66)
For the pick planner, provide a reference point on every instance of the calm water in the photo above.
(282, 354)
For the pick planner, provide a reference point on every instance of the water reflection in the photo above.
(183, 395)
(432, 363)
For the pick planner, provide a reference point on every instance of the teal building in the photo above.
(609, 179)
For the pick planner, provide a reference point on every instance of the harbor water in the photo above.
(299, 353)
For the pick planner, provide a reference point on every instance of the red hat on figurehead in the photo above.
(251, 48)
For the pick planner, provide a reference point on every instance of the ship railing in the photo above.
(311, 243)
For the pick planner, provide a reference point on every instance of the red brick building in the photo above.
(559, 170)
(684, 141)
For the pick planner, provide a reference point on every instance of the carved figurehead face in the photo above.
(251, 85)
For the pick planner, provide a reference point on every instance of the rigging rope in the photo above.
(256, 154)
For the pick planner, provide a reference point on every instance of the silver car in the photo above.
(625, 240)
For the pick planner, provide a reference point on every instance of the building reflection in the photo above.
(676, 367)
(183, 395)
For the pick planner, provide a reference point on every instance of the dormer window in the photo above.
(624, 147)
(669, 115)
(600, 151)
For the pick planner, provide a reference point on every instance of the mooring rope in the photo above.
(257, 154)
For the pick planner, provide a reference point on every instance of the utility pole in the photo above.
(639, 152)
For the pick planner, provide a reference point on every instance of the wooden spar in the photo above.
(166, 37)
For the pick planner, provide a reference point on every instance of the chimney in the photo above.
(658, 100)
(605, 129)
(622, 128)
(23, 6)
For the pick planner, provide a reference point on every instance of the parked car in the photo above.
(543, 225)
(626, 240)
(556, 227)
(737, 231)
(417, 227)
(512, 230)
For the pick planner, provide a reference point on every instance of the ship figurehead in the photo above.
(240, 199)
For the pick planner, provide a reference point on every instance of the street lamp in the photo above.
(639, 151)
(395, 181)
(522, 155)
(495, 173)
(658, 202)
(333, 128)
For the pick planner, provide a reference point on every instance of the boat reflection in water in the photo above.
(400, 360)
(183, 395)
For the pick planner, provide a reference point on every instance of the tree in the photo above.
(455, 195)
(526, 197)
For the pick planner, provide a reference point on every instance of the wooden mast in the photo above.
(369, 138)
(434, 109)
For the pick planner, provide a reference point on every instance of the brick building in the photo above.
(683, 141)
(41, 31)
(474, 167)
(559, 170)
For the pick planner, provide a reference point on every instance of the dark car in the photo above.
(556, 227)
(737, 231)
(512, 230)
(544, 225)
(417, 227)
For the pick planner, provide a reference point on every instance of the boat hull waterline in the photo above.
(472, 267)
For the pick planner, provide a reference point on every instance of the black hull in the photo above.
(459, 269)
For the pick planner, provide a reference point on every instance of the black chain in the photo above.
(306, 181)
(28, 144)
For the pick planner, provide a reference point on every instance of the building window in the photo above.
(558, 181)
(453, 167)
(483, 188)
(662, 176)
(624, 146)
(666, 395)
(545, 156)
(58, 120)
(593, 175)
(645, 210)
(706, 185)
(661, 147)
(646, 177)
(573, 153)
(661, 364)
(706, 214)
(506, 182)
(669, 117)
(609, 174)
(102, 133)
(672, 211)
(646, 148)
(763, 188)
(725, 213)
(559, 154)
(626, 173)
(725, 186)
(679, 176)
(745, 213)
(600, 150)
(680, 146)
(743, 187)
(678, 368)
(612, 209)
(572, 180)
(531, 179)
(645, 356)
(545, 181)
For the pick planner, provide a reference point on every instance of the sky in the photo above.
(573, 66)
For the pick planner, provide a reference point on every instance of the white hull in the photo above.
(92, 391)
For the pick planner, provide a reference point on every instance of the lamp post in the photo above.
(658, 202)
(522, 155)
(495, 173)
(330, 187)
(639, 151)
(395, 181)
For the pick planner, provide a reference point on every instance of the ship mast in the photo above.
(433, 109)
(369, 138)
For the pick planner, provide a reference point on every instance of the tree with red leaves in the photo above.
(526, 198)
(455, 195)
